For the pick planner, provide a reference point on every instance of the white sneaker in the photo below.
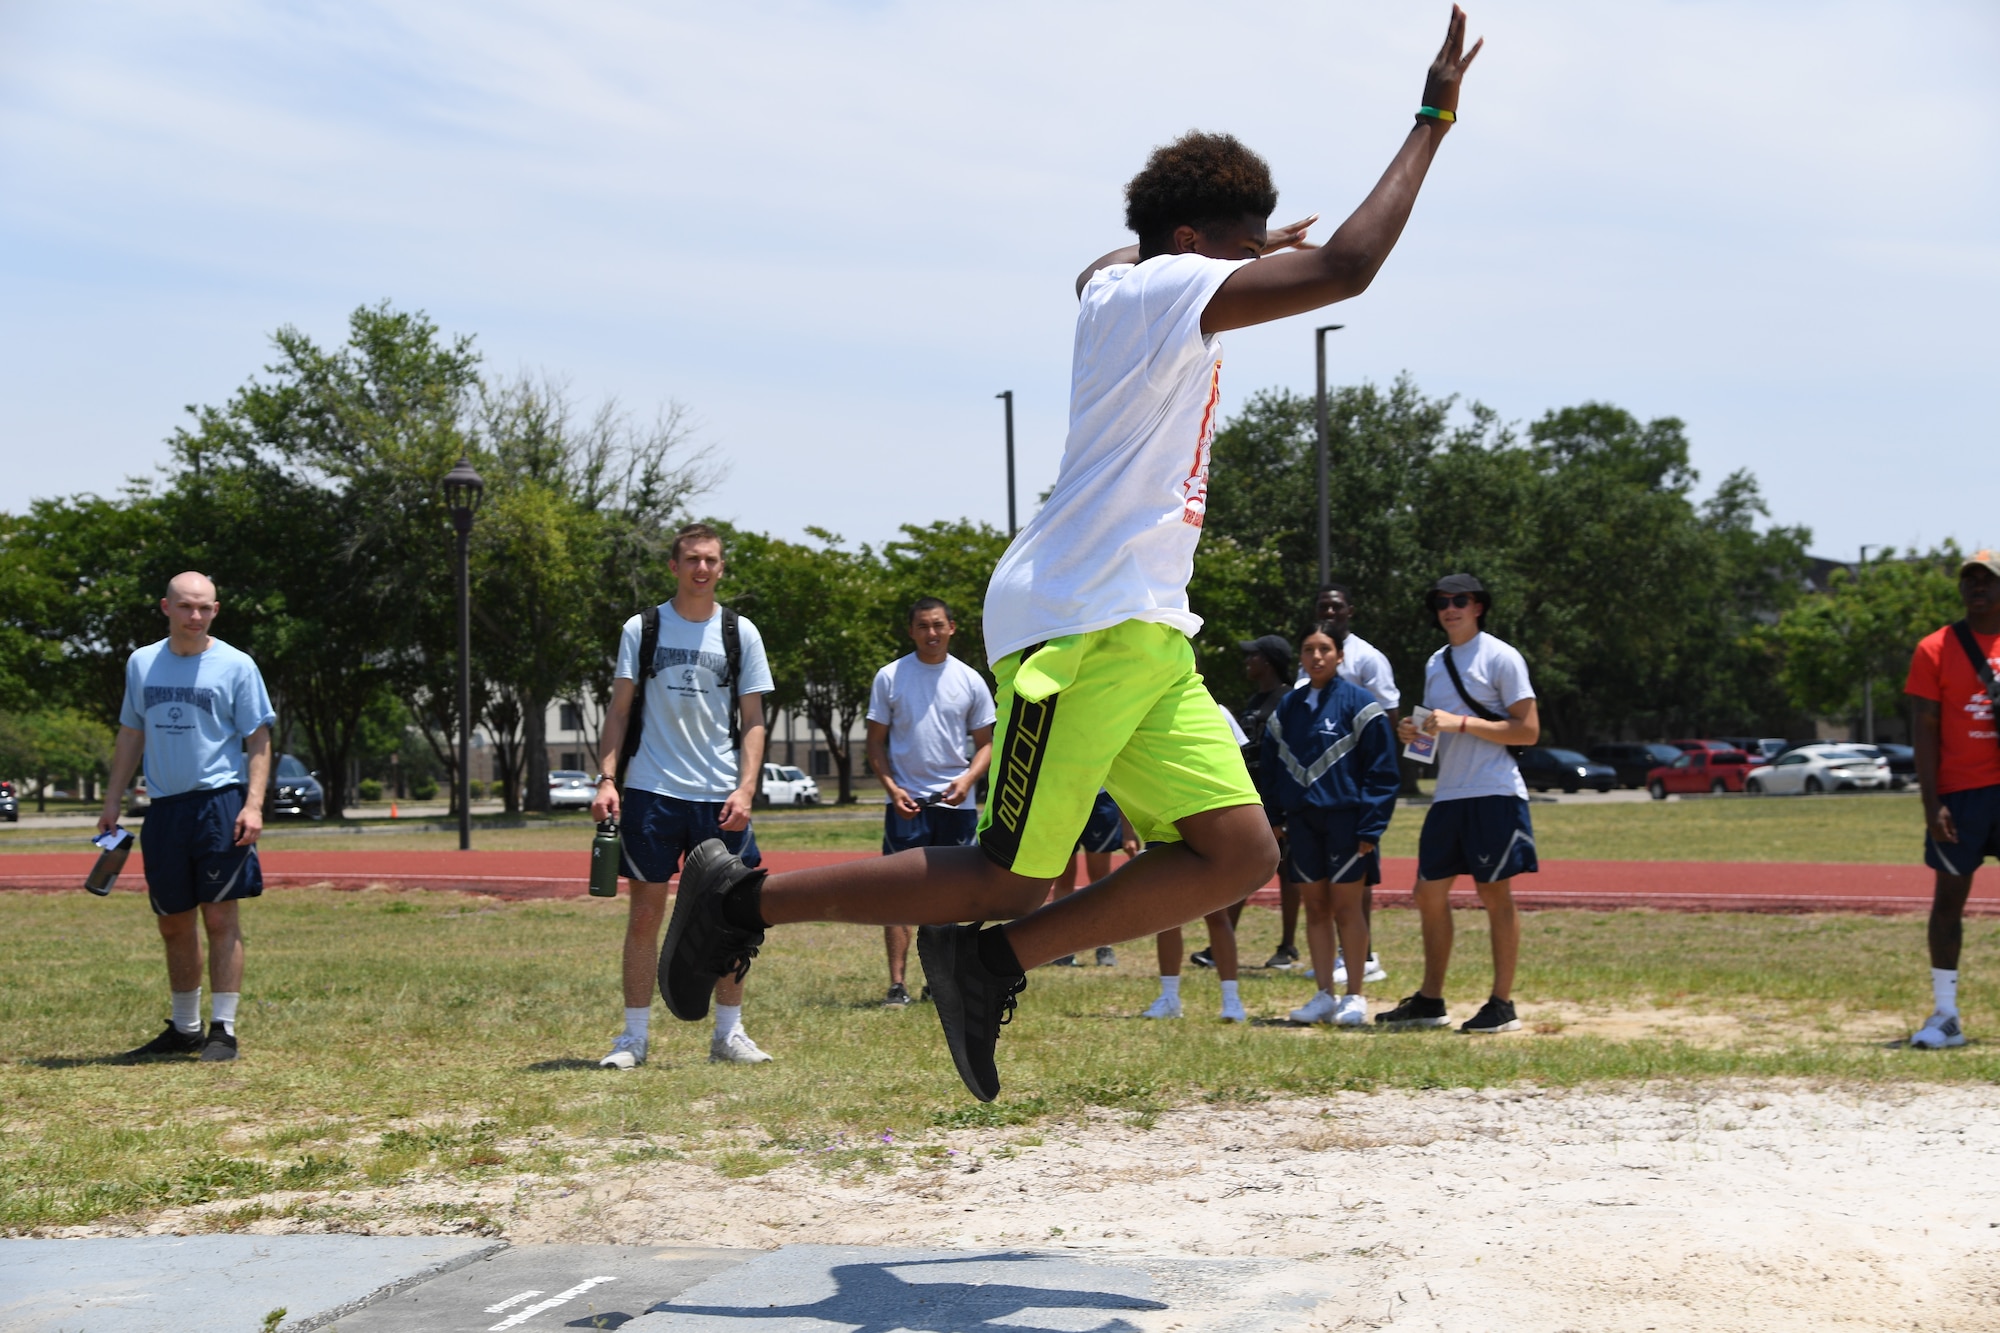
(1167, 1006)
(1373, 972)
(628, 1052)
(1319, 1009)
(1232, 1011)
(735, 1049)
(1938, 1032)
(1351, 1011)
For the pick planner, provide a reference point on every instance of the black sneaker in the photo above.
(1107, 956)
(170, 1042)
(924, 995)
(1202, 958)
(1067, 960)
(1284, 957)
(972, 1004)
(702, 946)
(1416, 1011)
(898, 996)
(221, 1044)
(1496, 1015)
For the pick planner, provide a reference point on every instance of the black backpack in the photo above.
(649, 647)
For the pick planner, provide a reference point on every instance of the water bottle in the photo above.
(114, 847)
(604, 856)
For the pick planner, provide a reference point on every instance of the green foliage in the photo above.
(1866, 624)
(370, 789)
(53, 743)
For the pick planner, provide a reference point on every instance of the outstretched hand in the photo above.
(1441, 84)
(1291, 236)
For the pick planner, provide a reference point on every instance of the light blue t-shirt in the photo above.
(684, 745)
(195, 712)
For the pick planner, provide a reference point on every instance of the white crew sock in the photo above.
(187, 1009)
(222, 1009)
(1228, 994)
(638, 1020)
(1944, 985)
(728, 1018)
(1170, 987)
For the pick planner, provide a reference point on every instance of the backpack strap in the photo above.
(649, 648)
(732, 654)
(1478, 710)
(1981, 668)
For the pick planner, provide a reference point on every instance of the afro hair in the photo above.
(1196, 180)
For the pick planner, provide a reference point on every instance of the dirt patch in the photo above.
(1755, 1207)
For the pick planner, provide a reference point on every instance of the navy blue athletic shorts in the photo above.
(657, 831)
(934, 826)
(1976, 815)
(1104, 832)
(188, 846)
(1322, 844)
(1487, 837)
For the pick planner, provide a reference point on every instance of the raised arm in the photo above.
(1305, 279)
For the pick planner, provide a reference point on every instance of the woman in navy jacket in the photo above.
(1329, 777)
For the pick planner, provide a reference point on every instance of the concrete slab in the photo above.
(851, 1289)
(143, 1284)
(535, 1288)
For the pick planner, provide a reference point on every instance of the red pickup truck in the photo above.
(1700, 771)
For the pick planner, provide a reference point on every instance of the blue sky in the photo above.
(835, 231)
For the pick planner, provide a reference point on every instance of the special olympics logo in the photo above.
(688, 678)
(174, 714)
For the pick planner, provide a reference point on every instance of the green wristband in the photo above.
(1435, 113)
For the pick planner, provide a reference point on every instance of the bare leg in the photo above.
(1368, 911)
(1222, 942)
(1167, 948)
(1947, 925)
(225, 947)
(1288, 914)
(1505, 923)
(1434, 914)
(896, 939)
(1065, 883)
(642, 942)
(183, 943)
(1223, 856)
(1235, 915)
(1351, 917)
(1096, 865)
(1318, 899)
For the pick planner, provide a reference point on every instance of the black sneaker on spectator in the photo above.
(1067, 960)
(221, 1044)
(1496, 1015)
(702, 946)
(1286, 958)
(972, 1003)
(171, 1042)
(1202, 958)
(898, 996)
(1107, 956)
(1416, 1011)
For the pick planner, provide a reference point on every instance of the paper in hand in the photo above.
(108, 842)
(1423, 749)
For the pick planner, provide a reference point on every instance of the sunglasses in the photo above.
(1439, 600)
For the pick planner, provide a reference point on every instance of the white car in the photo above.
(571, 789)
(785, 784)
(1826, 766)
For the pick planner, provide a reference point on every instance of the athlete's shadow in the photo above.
(554, 1066)
(870, 1298)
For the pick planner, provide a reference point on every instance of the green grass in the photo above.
(460, 1039)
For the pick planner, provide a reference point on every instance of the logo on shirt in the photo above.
(1194, 491)
(201, 696)
(716, 664)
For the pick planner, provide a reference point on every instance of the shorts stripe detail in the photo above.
(1946, 861)
(234, 875)
(1013, 789)
(1335, 878)
(1507, 856)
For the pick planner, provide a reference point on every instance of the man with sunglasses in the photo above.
(1481, 703)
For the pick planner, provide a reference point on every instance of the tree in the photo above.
(1866, 624)
(952, 561)
(52, 743)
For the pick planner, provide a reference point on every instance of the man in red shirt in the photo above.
(1958, 770)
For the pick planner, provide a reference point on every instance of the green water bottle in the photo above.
(604, 861)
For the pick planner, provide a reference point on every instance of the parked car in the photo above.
(1687, 746)
(1902, 763)
(1543, 767)
(1762, 749)
(1822, 766)
(571, 789)
(295, 790)
(785, 784)
(137, 799)
(10, 804)
(1634, 760)
(1700, 771)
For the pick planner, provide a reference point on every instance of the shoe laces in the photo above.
(738, 963)
(1007, 1000)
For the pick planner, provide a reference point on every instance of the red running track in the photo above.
(1703, 886)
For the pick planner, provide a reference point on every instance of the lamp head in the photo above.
(462, 490)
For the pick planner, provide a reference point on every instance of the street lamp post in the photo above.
(462, 489)
(1007, 396)
(1325, 499)
(1867, 674)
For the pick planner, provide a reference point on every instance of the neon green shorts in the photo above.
(1120, 708)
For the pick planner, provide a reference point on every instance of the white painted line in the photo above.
(512, 1300)
(523, 1315)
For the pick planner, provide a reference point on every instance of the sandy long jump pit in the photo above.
(1721, 1206)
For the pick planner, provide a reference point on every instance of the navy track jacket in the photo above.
(1338, 756)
